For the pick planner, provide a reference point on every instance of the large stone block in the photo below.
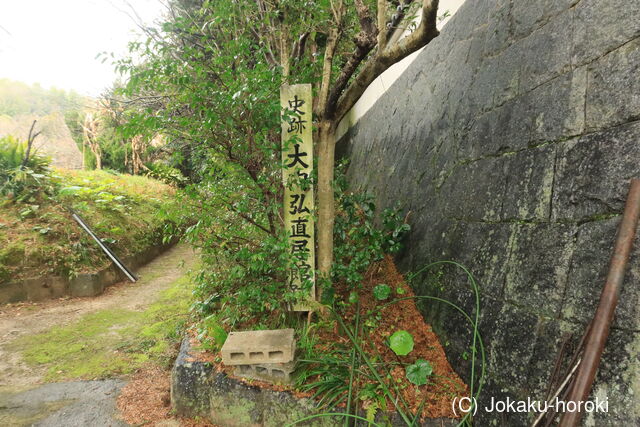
(59, 286)
(255, 347)
(613, 95)
(12, 292)
(529, 187)
(539, 261)
(498, 34)
(37, 288)
(618, 381)
(498, 78)
(589, 266)
(548, 52)
(528, 16)
(505, 128)
(558, 106)
(603, 25)
(190, 384)
(513, 341)
(483, 249)
(593, 173)
(478, 186)
(86, 285)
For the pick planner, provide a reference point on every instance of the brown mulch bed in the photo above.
(444, 383)
(146, 400)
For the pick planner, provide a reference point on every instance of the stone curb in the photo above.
(197, 390)
(83, 285)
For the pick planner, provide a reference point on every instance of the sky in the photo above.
(55, 42)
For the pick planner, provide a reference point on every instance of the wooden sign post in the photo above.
(297, 157)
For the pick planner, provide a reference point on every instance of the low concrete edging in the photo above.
(197, 390)
(83, 285)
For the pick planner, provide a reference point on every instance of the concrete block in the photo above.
(256, 347)
(269, 372)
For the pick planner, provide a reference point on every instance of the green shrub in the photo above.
(17, 180)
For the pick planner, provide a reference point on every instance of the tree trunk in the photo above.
(326, 202)
(98, 160)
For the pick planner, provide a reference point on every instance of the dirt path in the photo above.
(18, 380)
(32, 318)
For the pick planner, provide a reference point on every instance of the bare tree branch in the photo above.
(365, 41)
(383, 59)
(32, 136)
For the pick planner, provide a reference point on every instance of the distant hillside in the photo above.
(17, 99)
(20, 104)
(55, 140)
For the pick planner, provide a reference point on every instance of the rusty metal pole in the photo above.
(597, 337)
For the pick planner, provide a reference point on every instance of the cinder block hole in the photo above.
(256, 355)
(274, 354)
(236, 356)
(244, 368)
(277, 373)
(261, 370)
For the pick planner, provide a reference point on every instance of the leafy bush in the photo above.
(166, 174)
(359, 242)
(18, 181)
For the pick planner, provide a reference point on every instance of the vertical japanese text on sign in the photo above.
(297, 158)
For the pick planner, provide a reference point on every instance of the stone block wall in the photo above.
(510, 142)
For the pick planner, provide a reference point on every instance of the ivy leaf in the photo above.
(418, 372)
(401, 342)
(381, 292)
(353, 297)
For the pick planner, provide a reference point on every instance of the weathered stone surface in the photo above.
(589, 266)
(498, 28)
(540, 284)
(515, 160)
(601, 26)
(12, 292)
(37, 288)
(190, 384)
(617, 381)
(552, 47)
(529, 185)
(611, 156)
(86, 285)
(256, 347)
(614, 87)
(558, 107)
(479, 185)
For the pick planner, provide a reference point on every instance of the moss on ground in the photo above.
(111, 342)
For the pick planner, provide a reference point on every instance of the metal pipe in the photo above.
(104, 248)
(601, 324)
